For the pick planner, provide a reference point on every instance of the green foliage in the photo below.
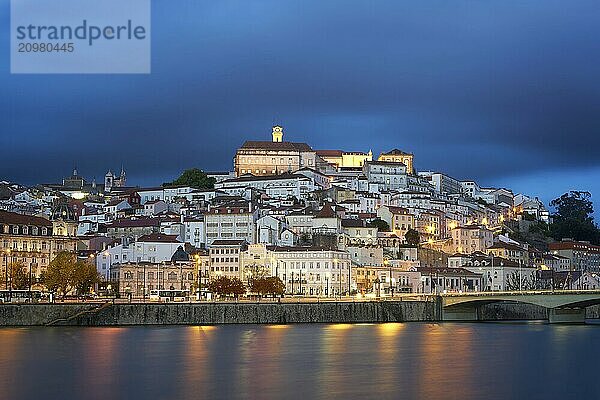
(412, 237)
(528, 217)
(539, 227)
(270, 285)
(195, 178)
(380, 224)
(225, 286)
(19, 276)
(573, 218)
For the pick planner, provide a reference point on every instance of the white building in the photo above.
(500, 274)
(154, 207)
(153, 248)
(195, 233)
(231, 221)
(387, 175)
(275, 186)
(225, 258)
(312, 271)
(269, 229)
(442, 183)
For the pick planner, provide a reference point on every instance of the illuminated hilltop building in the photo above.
(399, 156)
(345, 159)
(275, 157)
(261, 158)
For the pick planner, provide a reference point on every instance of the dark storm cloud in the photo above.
(481, 90)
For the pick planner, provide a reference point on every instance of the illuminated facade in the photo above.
(343, 159)
(132, 277)
(34, 241)
(471, 238)
(399, 156)
(274, 157)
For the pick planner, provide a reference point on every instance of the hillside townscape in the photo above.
(291, 220)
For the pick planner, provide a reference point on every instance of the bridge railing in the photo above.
(519, 293)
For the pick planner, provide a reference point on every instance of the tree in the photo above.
(237, 287)
(269, 285)
(380, 224)
(58, 276)
(19, 276)
(84, 277)
(225, 286)
(276, 286)
(195, 178)
(65, 273)
(573, 217)
(412, 237)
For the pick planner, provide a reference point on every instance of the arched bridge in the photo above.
(563, 306)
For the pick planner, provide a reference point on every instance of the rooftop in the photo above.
(22, 219)
(275, 146)
(159, 238)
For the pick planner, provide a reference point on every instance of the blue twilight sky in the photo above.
(503, 92)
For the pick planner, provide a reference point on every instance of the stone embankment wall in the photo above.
(214, 313)
(249, 313)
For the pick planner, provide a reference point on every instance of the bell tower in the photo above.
(277, 133)
(108, 181)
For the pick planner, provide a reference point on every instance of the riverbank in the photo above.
(108, 314)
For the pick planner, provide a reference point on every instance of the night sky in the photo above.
(506, 93)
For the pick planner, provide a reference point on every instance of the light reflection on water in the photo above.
(348, 361)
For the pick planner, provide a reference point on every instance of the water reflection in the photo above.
(383, 361)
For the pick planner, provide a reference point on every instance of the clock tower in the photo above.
(277, 133)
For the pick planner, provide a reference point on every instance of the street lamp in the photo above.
(349, 264)
(199, 267)
(107, 254)
(6, 256)
(337, 266)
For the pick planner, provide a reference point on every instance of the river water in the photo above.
(358, 361)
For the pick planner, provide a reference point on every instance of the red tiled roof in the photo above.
(329, 153)
(159, 238)
(573, 245)
(326, 212)
(508, 246)
(227, 242)
(22, 219)
(396, 152)
(276, 146)
(134, 223)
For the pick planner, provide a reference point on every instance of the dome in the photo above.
(63, 212)
(180, 255)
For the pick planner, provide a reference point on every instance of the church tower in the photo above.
(277, 133)
(122, 177)
(108, 181)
